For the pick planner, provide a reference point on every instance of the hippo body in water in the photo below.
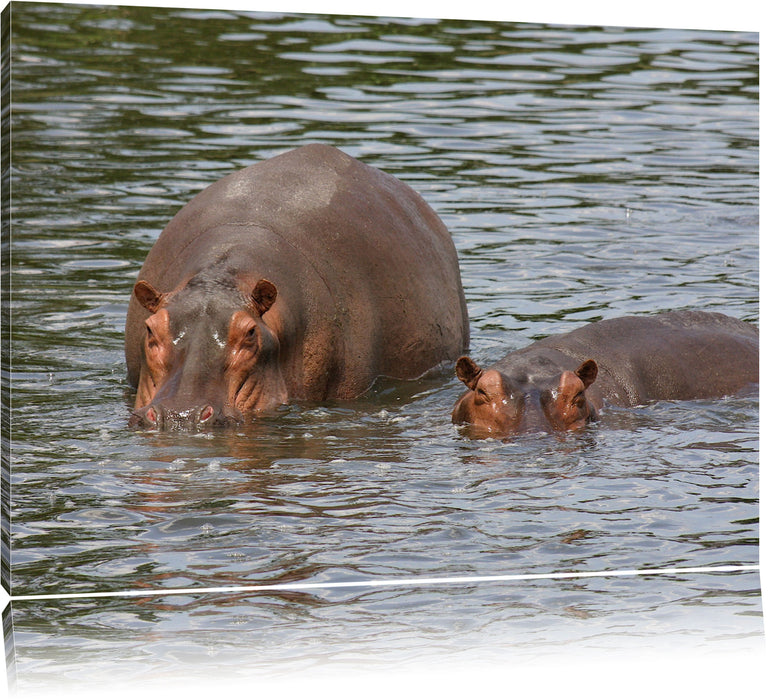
(562, 381)
(304, 277)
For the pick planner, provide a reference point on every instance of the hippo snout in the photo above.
(198, 418)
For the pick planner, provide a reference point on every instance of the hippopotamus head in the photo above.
(208, 353)
(498, 405)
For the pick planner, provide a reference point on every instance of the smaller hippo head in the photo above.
(497, 405)
(208, 354)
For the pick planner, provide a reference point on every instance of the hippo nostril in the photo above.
(151, 416)
(206, 414)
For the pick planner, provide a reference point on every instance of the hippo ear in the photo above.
(263, 296)
(587, 372)
(148, 297)
(467, 371)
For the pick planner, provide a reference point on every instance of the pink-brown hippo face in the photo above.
(496, 405)
(209, 357)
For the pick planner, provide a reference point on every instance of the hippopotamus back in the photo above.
(676, 355)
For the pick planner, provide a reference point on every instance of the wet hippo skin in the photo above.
(562, 381)
(303, 277)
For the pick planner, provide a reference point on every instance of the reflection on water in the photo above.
(584, 173)
(239, 637)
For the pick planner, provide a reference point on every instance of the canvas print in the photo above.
(375, 342)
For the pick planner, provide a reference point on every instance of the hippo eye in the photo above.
(249, 339)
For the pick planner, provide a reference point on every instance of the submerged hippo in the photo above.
(554, 385)
(304, 277)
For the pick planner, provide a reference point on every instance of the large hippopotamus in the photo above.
(304, 277)
(561, 382)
